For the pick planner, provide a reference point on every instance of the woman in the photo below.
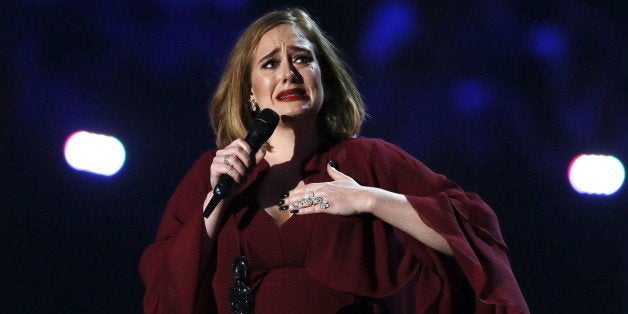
(329, 223)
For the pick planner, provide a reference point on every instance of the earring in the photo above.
(253, 104)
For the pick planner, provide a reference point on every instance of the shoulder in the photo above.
(365, 143)
(368, 153)
(379, 163)
(381, 154)
(371, 147)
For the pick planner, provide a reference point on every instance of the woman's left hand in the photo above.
(343, 196)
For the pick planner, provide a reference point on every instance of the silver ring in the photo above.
(298, 203)
(322, 203)
(226, 160)
(310, 200)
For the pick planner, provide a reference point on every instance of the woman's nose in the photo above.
(291, 75)
(288, 75)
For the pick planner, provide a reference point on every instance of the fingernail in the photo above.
(294, 211)
(284, 207)
(333, 164)
(284, 195)
(264, 151)
(281, 202)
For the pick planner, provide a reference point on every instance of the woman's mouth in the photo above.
(292, 95)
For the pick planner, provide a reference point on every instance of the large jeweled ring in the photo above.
(226, 160)
(310, 200)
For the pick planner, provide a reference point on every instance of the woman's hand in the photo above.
(343, 196)
(235, 161)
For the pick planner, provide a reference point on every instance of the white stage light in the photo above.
(596, 174)
(95, 153)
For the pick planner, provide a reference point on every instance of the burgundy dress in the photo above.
(334, 264)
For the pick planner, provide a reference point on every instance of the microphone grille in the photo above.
(268, 116)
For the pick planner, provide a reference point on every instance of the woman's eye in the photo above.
(303, 59)
(270, 64)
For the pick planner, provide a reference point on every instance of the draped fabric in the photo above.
(343, 261)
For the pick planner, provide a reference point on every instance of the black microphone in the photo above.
(263, 126)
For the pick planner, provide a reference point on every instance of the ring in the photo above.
(311, 199)
(322, 203)
(226, 160)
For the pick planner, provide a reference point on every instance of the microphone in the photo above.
(263, 126)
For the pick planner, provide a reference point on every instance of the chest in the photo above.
(274, 184)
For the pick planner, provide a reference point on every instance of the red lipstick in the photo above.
(292, 95)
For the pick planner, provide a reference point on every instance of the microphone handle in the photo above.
(211, 205)
(222, 189)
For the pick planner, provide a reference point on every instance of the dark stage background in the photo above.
(497, 95)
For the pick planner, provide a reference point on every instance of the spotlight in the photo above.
(596, 174)
(95, 153)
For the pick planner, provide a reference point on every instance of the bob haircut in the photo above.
(342, 112)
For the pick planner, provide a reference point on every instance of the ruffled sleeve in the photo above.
(171, 267)
(463, 219)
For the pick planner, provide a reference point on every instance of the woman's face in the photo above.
(285, 74)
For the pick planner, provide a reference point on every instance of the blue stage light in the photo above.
(230, 4)
(546, 41)
(391, 25)
(471, 95)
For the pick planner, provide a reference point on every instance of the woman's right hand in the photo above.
(237, 162)
(234, 161)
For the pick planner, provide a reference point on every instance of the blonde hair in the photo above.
(342, 112)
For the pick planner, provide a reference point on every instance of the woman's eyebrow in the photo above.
(270, 54)
(291, 48)
(299, 48)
